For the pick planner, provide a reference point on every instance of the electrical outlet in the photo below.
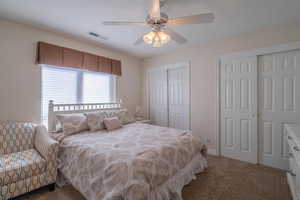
(208, 141)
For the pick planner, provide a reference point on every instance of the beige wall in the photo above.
(20, 78)
(204, 60)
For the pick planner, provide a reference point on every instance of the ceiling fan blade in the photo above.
(194, 19)
(175, 36)
(155, 9)
(120, 23)
(139, 41)
(163, 3)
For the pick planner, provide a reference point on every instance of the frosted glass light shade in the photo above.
(156, 38)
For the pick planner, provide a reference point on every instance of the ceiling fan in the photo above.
(159, 23)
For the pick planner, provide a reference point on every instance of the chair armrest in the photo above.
(48, 148)
(44, 144)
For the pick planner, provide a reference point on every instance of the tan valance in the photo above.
(50, 54)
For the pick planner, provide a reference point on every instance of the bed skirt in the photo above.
(172, 189)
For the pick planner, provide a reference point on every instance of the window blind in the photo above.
(97, 88)
(69, 86)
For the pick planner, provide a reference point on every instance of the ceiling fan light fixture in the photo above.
(149, 37)
(156, 43)
(156, 38)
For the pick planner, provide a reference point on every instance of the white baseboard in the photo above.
(212, 152)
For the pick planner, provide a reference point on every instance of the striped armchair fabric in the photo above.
(28, 158)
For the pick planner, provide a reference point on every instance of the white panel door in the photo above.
(238, 114)
(179, 97)
(158, 100)
(279, 97)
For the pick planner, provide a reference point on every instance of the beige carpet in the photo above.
(225, 179)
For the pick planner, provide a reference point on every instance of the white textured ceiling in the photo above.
(78, 17)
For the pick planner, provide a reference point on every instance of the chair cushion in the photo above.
(21, 165)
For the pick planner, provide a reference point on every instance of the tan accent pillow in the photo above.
(112, 113)
(124, 116)
(112, 123)
(73, 123)
(95, 120)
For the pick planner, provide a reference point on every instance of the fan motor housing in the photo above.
(157, 23)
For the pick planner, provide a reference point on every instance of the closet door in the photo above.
(179, 97)
(279, 98)
(158, 100)
(238, 114)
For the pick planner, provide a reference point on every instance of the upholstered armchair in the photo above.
(28, 159)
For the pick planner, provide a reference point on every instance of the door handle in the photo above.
(255, 115)
(296, 148)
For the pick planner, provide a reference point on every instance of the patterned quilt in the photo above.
(128, 163)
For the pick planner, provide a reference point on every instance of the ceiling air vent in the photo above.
(94, 34)
(98, 36)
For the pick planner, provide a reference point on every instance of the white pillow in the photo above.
(73, 123)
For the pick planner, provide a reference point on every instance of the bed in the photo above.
(136, 162)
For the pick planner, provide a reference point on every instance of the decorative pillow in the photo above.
(73, 123)
(58, 136)
(95, 120)
(124, 116)
(112, 123)
(58, 126)
(111, 113)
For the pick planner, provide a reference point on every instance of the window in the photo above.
(69, 86)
